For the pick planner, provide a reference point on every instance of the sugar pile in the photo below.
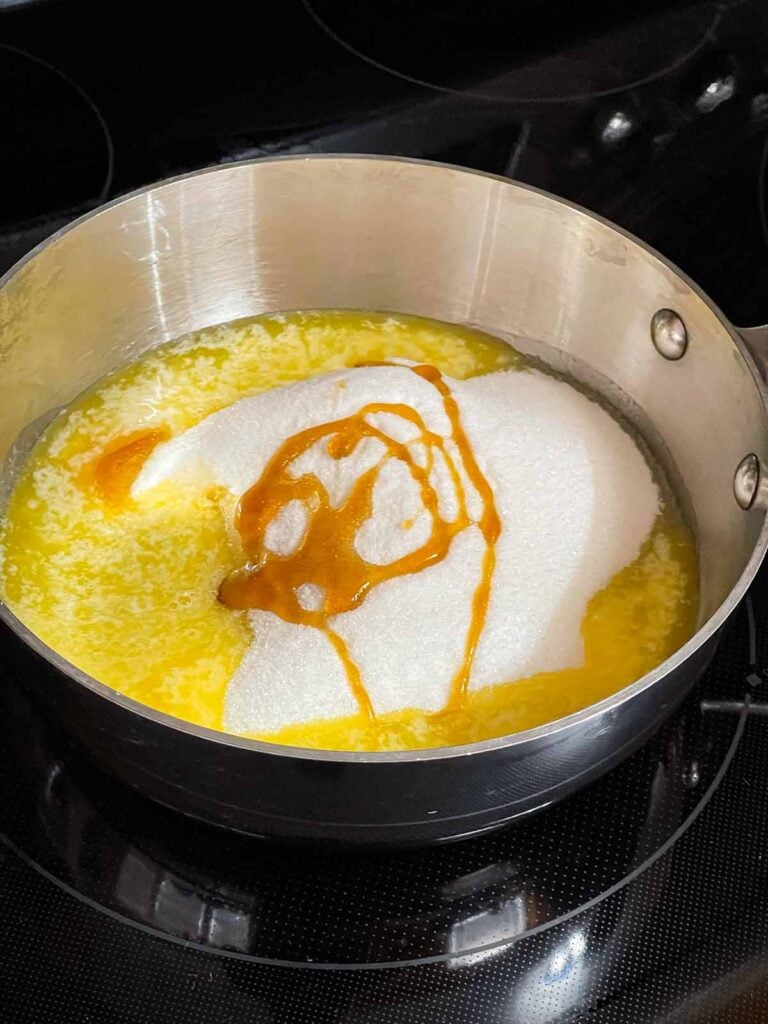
(574, 494)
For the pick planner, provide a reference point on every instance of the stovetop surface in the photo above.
(643, 898)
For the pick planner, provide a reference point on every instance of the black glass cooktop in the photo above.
(643, 898)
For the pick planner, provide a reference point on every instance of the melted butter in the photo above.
(129, 591)
(326, 556)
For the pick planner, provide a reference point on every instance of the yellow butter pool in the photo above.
(128, 592)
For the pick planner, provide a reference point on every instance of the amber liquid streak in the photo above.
(490, 527)
(112, 473)
(326, 555)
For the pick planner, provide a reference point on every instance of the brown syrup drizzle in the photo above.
(326, 555)
(112, 473)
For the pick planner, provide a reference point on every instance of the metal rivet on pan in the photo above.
(669, 334)
(746, 481)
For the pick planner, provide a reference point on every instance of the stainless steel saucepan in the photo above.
(411, 237)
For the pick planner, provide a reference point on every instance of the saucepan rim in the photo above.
(541, 733)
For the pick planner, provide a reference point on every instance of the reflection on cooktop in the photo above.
(457, 903)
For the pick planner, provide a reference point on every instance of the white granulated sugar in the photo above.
(232, 446)
(396, 501)
(310, 596)
(289, 674)
(287, 529)
(338, 476)
(574, 494)
(408, 636)
(576, 499)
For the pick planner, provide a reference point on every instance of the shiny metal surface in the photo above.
(746, 480)
(669, 334)
(412, 237)
(756, 340)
